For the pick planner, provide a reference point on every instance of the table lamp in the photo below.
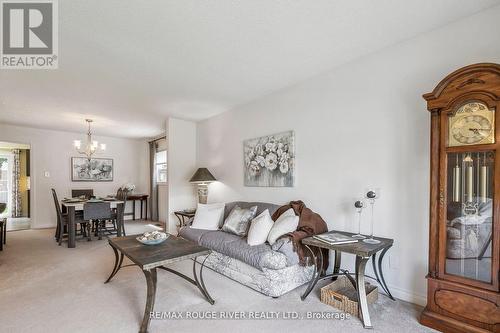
(202, 177)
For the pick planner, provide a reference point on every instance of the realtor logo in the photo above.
(29, 35)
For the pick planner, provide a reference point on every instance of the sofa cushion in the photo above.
(259, 229)
(258, 256)
(208, 217)
(193, 234)
(284, 245)
(261, 206)
(287, 222)
(239, 220)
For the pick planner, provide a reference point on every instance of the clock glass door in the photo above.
(469, 214)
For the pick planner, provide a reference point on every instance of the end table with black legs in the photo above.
(363, 252)
(184, 216)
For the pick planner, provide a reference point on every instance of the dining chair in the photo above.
(88, 193)
(63, 220)
(121, 195)
(98, 213)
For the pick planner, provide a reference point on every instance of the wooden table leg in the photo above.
(142, 202)
(150, 300)
(1, 234)
(360, 287)
(337, 263)
(71, 227)
(146, 205)
(120, 224)
(133, 209)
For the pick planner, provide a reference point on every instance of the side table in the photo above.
(183, 216)
(363, 252)
(143, 198)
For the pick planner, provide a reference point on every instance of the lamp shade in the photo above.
(202, 175)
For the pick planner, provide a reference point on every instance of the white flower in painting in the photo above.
(271, 161)
(279, 152)
(251, 154)
(261, 160)
(247, 161)
(284, 157)
(254, 168)
(271, 145)
(284, 167)
(259, 150)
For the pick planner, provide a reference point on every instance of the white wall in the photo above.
(181, 157)
(364, 123)
(52, 151)
(163, 203)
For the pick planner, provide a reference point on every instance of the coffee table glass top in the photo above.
(151, 256)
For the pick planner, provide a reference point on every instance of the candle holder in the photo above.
(371, 195)
(359, 204)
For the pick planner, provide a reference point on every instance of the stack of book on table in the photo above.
(335, 238)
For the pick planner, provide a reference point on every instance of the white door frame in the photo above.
(10, 160)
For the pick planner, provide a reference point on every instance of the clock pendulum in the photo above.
(484, 180)
(469, 178)
(456, 182)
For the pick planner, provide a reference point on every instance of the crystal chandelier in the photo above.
(91, 147)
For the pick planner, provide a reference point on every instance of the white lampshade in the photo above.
(95, 143)
(77, 144)
(103, 146)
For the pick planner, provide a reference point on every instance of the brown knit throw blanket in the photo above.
(310, 224)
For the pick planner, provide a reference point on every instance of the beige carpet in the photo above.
(47, 288)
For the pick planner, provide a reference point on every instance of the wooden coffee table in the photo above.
(151, 257)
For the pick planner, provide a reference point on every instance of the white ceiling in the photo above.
(130, 64)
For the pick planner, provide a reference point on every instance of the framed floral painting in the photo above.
(93, 170)
(269, 160)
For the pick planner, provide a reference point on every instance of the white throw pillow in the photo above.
(208, 217)
(287, 222)
(259, 228)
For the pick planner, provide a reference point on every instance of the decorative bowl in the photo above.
(153, 238)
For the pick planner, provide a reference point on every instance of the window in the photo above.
(161, 166)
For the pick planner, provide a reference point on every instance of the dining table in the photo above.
(71, 207)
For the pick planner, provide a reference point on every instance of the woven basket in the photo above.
(342, 295)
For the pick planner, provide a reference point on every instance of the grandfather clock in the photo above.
(464, 238)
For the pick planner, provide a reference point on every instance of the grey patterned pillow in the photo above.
(239, 220)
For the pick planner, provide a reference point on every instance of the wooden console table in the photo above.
(363, 252)
(143, 198)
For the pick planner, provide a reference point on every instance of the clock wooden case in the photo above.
(464, 234)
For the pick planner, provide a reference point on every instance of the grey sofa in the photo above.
(271, 270)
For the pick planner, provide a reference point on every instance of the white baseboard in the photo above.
(408, 296)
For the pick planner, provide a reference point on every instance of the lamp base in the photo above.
(202, 193)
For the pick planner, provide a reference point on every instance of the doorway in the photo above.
(15, 185)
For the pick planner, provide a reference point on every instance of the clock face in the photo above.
(472, 124)
(471, 129)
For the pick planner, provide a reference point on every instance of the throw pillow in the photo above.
(238, 220)
(259, 228)
(208, 217)
(287, 222)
